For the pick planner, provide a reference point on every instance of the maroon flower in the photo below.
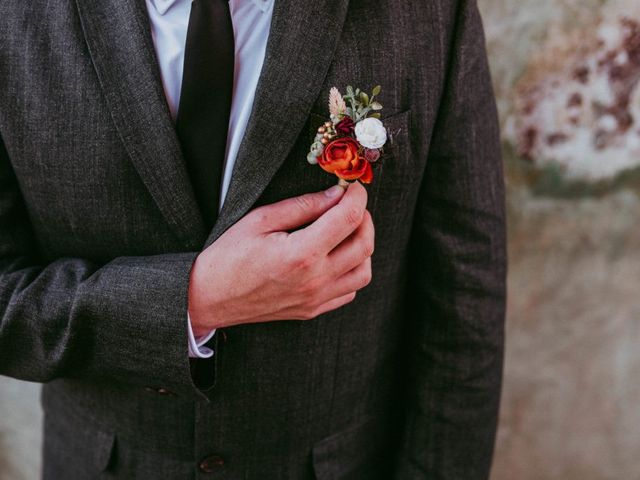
(372, 155)
(346, 126)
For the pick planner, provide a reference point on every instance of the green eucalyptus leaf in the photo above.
(376, 106)
(364, 98)
(376, 90)
(375, 115)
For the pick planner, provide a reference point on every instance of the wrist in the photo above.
(194, 309)
(200, 304)
(198, 330)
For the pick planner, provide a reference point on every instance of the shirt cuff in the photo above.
(196, 345)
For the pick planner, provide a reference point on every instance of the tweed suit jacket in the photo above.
(99, 229)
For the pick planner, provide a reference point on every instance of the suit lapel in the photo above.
(302, 41)
(118, 35)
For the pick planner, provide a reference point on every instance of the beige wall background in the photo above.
(566, 76)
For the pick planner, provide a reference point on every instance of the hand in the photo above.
(258, 272)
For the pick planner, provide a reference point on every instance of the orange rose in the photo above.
(342, 158)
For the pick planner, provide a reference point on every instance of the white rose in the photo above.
(371, 133)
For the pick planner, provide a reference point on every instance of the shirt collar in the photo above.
(163, 5)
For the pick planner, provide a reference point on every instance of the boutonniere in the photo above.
(352, 141)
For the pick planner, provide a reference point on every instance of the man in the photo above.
(137, 231)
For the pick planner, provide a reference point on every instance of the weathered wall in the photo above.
(20, 437)
(567, 76)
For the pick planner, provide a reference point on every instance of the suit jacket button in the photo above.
(211, 464)
(164, 391)
(160, 391)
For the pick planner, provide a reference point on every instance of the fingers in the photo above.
(331, 296)
(343, 290)
(295, 212)
(355, 249)
(330, 229)
(354, 280)
(334, 304)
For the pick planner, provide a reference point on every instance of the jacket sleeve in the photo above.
(124, 320)
(457, 277)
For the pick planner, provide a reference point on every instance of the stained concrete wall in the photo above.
(20, 424)
(566, 76)
(566, 73)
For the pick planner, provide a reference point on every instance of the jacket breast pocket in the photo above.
(398, 128)
(356, 453)
(397, 170)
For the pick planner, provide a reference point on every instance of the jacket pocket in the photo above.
(396, 171)
(398, 142)
(76, 449)
(397, 125)
(352, 454)
(105, 443)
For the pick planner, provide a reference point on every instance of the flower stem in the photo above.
(343, 183)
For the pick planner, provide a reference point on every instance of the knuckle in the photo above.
(368, 219)
(304, 202)
(366, 277)
(350, 298)
(305, 262)
(323, 308)
(368, 248)
(363, 192)
(307, 315)
(310, 290)
(314, 312)
(354, 216)
(262, 221)
(258, 217)
(300, 260)
(293, 260)
(318, 310)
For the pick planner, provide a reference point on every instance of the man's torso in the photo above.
(291, 398)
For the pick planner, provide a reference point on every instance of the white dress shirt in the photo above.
(251, 25)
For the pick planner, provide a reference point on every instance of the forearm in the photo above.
(123, 320)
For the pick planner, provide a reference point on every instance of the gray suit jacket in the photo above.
(99, 229)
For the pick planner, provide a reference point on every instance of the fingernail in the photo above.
(334, 191)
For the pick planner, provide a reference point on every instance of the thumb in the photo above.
(298, 211)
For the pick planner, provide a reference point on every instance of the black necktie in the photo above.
(205, 100)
